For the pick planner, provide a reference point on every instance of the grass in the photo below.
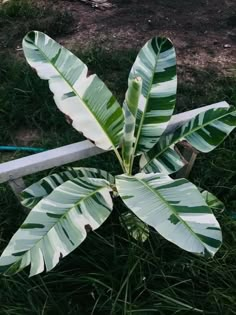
(110, 273)
(22, 16)
(18, 9)
(25, 100)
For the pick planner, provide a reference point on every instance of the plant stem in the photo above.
(120, 160)
(131, 164)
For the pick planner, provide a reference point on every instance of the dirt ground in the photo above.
(203, 31)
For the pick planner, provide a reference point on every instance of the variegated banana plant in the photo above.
(67, 205)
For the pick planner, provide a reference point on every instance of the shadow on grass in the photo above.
(18, 17)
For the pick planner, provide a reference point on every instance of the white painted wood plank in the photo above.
(76, 151)
(46, 160)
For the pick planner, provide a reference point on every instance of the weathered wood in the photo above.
(12, 170)
(189, 154)
(17, 185)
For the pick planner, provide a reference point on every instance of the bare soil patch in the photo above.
(204, 32)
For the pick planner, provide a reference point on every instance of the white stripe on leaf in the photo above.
(85, 99)
(204, 132)
(155, 64)
(57, 225)
(35, 192)
(175, 208)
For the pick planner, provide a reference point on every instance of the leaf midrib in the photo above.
(188, 133)
(156, 192)
(76, 93)
(147, 100)
(62, 217)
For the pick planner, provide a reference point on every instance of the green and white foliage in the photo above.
(57, 225)
(68, 204)
(85, 99)
(135, 227)
(212, 201)
(204, 132)
(168, 162)
(130, 108)
(164, 204)
(35, 192)
(156, 66)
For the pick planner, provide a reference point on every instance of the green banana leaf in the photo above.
(130, 113)
(35, 192)
(90, 105)
(213, 202)
(156, 66)
(175, 208)
(135, 227)
(57, 225)
(204, 132)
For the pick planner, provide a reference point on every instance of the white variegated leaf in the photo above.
(156, 65)
(92, 108)
(135, 227)
(35, 192)
(204, 132)
(169, 162)
(180, 119)
(57, 225)
(213, 202)
(130, 108)
(175, 208)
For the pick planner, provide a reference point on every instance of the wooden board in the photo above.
(48, 159)
(13, 171)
